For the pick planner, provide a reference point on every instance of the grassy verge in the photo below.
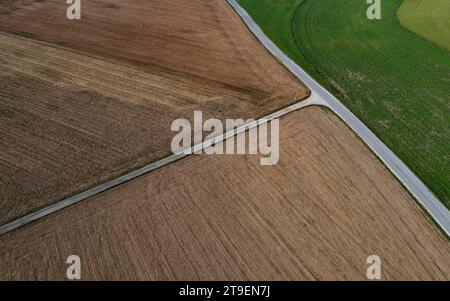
(396, 82)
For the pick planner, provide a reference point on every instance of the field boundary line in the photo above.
(401, 171)
(312, 100)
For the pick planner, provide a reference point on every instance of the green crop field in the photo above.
(429, 18)
(395, 81)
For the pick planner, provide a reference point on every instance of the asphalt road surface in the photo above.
(319, 96)
(423, 195)
(313, 99)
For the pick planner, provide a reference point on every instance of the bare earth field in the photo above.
(101, 102)
(205, 38)
(318, 214)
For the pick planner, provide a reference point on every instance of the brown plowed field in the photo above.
(101, 102)
(318, 214)
(203, 38)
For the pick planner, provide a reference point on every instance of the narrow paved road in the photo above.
(313, 99)
(436, 209)
(319, 96)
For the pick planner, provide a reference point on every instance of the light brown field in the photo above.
(101, 102)
(318, 214)
(204, 38)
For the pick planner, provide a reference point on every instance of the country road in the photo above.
(414, 185)
(312, 100)
(319, 96)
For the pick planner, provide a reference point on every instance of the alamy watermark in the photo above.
(73, 272)
(74, 10)
(216, 143)
(374, 10)
(374, 269)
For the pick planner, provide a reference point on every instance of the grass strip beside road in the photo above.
(395, 81)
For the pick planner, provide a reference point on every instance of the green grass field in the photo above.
(429, 18)
(395, 81)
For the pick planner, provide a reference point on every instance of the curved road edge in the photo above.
(412, 183)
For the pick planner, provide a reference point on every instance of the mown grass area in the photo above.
(395, 81)
(429, 18)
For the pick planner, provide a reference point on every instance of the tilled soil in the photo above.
(205, 39)
(318, 214)
(85, 101)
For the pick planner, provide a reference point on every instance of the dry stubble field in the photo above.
(84, 101)
(318, 214)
